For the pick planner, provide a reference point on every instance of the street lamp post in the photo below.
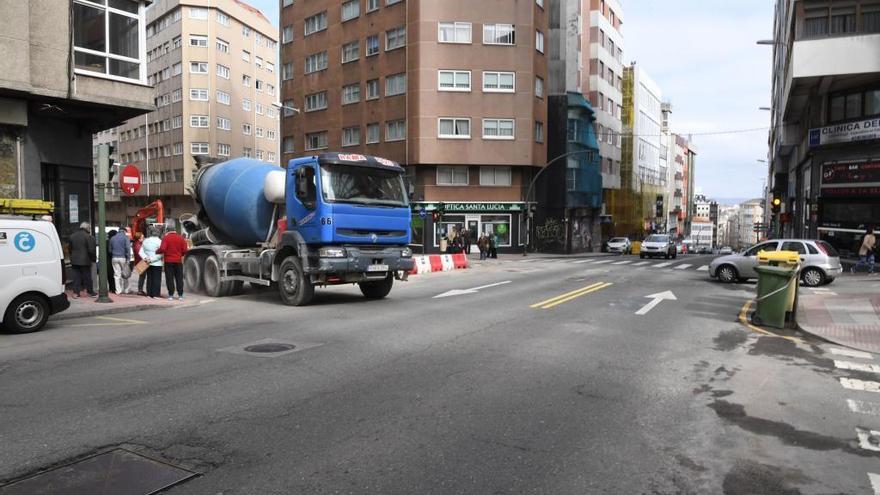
(281, 107)
(531, 188)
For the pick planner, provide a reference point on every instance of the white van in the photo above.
(31, 274)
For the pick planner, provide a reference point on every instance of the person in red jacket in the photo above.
(173, 248)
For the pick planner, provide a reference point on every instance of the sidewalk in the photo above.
(122, 303)
(846, 312)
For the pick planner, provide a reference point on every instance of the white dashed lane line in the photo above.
(851, 353)
(855, 384)
(849, 365)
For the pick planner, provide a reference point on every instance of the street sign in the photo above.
(130, 179)
(422, 212)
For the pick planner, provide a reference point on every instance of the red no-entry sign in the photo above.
(130, 179)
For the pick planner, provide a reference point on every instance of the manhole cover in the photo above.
(270, 348)
(116, 472)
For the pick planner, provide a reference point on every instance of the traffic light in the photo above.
(776, 203)
(435, 216)
(659, 207)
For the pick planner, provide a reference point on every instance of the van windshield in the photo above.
(362, 185)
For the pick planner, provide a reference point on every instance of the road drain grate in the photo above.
(270, 347)
(118, 472)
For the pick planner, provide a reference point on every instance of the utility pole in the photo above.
(103, 180)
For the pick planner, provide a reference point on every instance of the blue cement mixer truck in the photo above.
(328, 219)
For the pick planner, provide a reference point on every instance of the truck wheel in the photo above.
(27, 313)
(293, 284)
(377, 290)
(236, 287)
(192, 273)
(211, 277)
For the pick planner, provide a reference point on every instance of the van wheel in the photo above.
(293, 284)
(211, 278)
(377, 290)
(27, 313)
(193, 266)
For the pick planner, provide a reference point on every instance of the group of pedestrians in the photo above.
(459, 241)
(159, 253)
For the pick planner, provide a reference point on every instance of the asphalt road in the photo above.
(543, 381)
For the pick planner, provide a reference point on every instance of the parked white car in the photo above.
(31, 274)
(620, 245)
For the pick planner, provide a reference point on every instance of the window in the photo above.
(199, 148)
(287, 108)
(454, 32)
(452, 176)
(270, 156)
(351, 136)
(372, 5)
(395, 85)
(224, 123)
(372, 89)
(287, 71)
(259, 154)
(316, 62)
(351, 94)
(498, 128)
(373, 133)
(843, 20)
(258, 61)
(454, 128)
(222, 18)
(539, 41)
(258, 108)
(270, 67)
(198, 67)
(872, 102)
(246, 81)
(498, 82)
(223, 97)
(372, 45)
(286, 3)
(175, 43)
(271, 135)
(198, 94)
(259, 85)
(351, 9)
(246, 55)
(270, 89)
(198, 121)
(177, 149)
(571, 173)
(495, 176)
(391, 2)
(246, 104)
(539, 87)
(315, 23)
(177, 122)
(539, 132)
(499, 34)
(259, 132)
(223, 71)
(287, 34)
(766, 246)
(287, 144)
(395, 38)
(271, 112)
(454, 80)
(223, 149)
(870, 19)
(316, 140)
(316, 101)
(198, 40)
(395, 130)
(198, 13)
(246, 129)
(351, 51)
(247, 152)
(176, 95)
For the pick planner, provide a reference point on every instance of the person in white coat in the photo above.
(154, 272)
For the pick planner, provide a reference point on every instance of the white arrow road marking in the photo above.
(656, 299)
(458, 292)
(851, 353)
(849, 365)
(704, 268)
(683, 266)
(661, 265)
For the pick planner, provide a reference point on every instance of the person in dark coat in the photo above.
(111, 282)
(82, 255)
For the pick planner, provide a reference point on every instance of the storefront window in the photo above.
(446, 226)
(498, 225)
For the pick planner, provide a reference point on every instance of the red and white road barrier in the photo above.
(439, 263)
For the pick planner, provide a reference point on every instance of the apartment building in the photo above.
(825, 143)
(452, 90)
(213, 67)
(748, 213)
(65, 74)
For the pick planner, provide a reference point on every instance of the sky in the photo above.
(703, 55)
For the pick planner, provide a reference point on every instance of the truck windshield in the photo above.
(362, 185)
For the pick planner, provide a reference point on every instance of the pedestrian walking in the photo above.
(120, 249)
(154, 272)
(493, 245)
(866, 252)
(173, 248)
(82, 247)
(136, 253)
(483, 246)
(111, 273)
(466, 241)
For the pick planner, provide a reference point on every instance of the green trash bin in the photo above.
(777, 291)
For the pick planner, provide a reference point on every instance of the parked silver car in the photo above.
(620, 245)
(820, 262)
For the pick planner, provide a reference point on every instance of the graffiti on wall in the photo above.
(550, 236)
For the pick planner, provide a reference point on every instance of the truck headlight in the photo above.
(406, 253)
(331, 252)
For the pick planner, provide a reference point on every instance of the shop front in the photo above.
(849, 203)
(435, 222)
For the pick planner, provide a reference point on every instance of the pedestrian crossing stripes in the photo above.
(851, 353)
(621, 263)
(866, 367)
(661, 265)
(863, 407)
(683, 266)
(640, 263)
(617, 261)
(704, 268)
(855, 384)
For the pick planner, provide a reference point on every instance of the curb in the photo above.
(64, 315)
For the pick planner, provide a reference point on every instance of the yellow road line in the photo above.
(564, 295)
(564, 298)
(744, 320)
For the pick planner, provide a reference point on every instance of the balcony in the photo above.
(823, 56)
